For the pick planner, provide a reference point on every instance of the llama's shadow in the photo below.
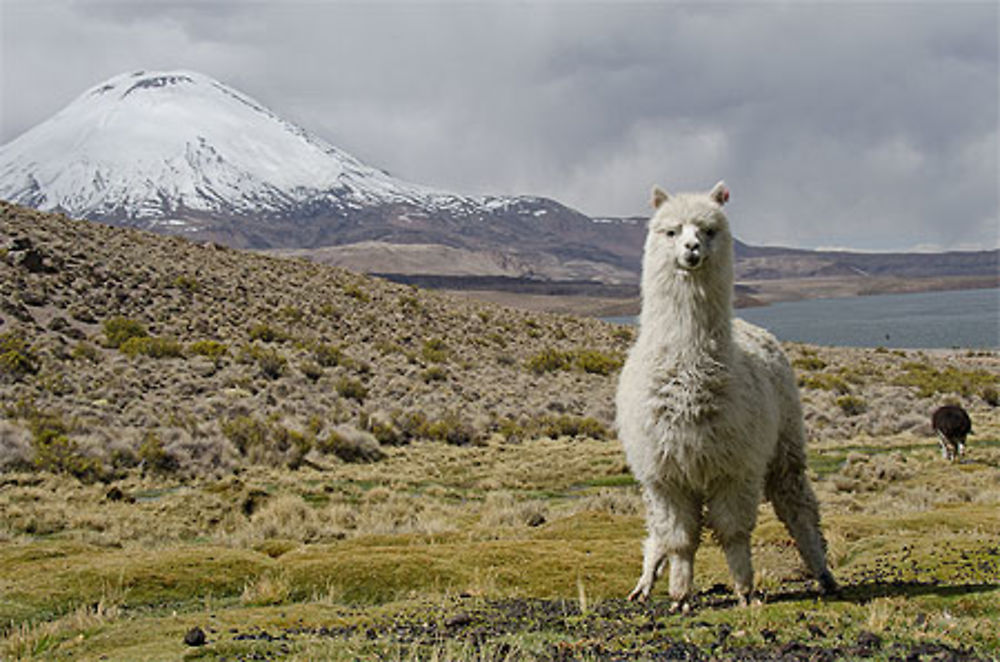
(864, 592)
(721, 597)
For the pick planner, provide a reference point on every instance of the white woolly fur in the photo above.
(707, 406)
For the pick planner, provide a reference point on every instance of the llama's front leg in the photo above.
(732, 514)
(674, 522)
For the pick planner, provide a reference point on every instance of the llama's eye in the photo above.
(710, 233)
(671, 233)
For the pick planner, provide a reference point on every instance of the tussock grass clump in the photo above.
(351, 388)
(267, 442)
(587, 360)
(212, 349)
(267, 334)
(119, 329)
(16, 358)
(271, 363)
(929, 380)
(351, 445)
(153, 347)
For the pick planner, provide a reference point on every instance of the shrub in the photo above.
(266, 333)
(267, 442)
(118, 330)
(550, 360)
(809, 363)
(596, 362)
(272, 363)
(572, 426)
(211, 349)
(84, 351)
(450, 429)
(434, 374)
(435, 350)
(351, 388)
(351, 445)
(354, 291)
(16, 358)
(55, 451)
(154, 347)
(312, 371)
(15, 447)
(852, 405)
(187, 283)
(154, 456)
(928, 380)
(825, 382)
(327, 355)
(991, 396)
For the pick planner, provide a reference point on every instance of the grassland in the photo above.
(276, 460)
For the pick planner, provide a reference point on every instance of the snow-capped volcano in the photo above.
(163, 145)
(179, 152)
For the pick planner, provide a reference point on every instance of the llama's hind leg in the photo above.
(674, 522)
(732, 514)
(795, 504)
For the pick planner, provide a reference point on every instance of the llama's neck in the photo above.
(689, 316)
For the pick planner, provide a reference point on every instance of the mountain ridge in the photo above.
(178, 152)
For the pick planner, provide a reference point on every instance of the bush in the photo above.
(265, 333)
(328, 356)
(351, 445)
(588, 360)
(434, 374)
(272, 363)
(157, 348)
(852, 405)
(435, 350)
(118, 330)
(267, 442)
(55, 451)
(351, 388)
(825, 382)
(596, 362)
(154, 456)
(809, 363)
(16, 358)
(84, 351)
(450, 429)
(189, 284)
(572, 426)
(211, 349)
(991, 396)
(550, 360)
(928, 380)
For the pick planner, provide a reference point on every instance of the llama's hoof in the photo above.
(748, 600)
(639, 594)
(681, 607)
(828, 585)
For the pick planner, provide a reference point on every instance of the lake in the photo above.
(962, 318)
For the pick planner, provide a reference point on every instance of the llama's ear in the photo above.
(659, 197)
(720, 193)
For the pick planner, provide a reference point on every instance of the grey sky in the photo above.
(858, 125)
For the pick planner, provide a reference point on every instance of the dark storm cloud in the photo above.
(865, 125)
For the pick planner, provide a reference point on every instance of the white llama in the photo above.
(707, 408)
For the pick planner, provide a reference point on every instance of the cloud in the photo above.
(871, 125)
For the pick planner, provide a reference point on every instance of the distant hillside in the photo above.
(124, 340)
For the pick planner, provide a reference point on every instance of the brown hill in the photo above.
(121, 348)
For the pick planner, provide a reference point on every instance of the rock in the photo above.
(195, 637)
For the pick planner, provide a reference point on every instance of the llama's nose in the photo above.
(692, 245)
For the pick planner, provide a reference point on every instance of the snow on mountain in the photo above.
(158, 145)
(178, 152)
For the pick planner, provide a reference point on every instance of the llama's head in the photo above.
(689, 234)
